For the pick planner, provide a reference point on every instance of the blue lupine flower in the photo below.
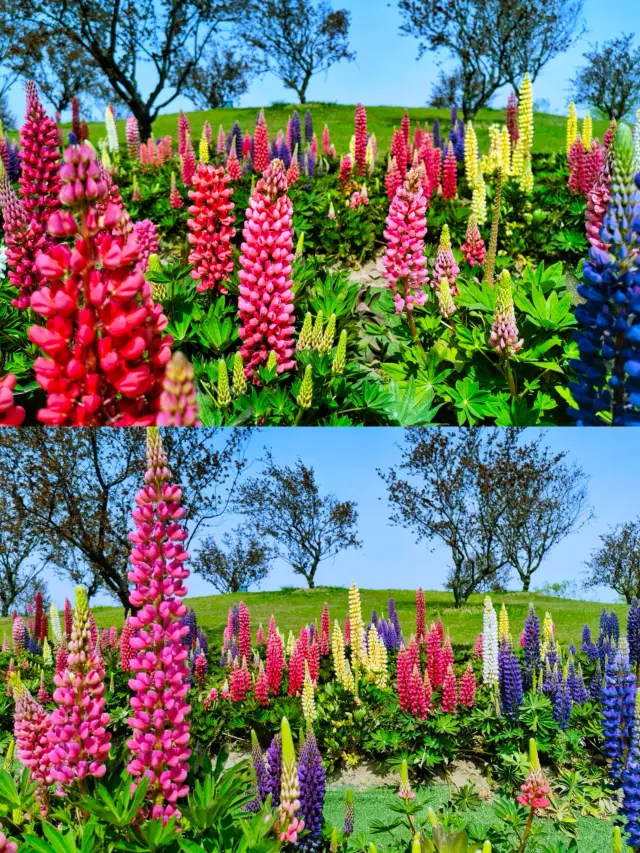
(274, 769)
(263, 783)
(595, 685)
(531, 648)
(575, 683)
(633, 631)
(588, 646)
(296, 134)
(510, 680)
(609, 338)
(437, 138)
(631, 782)
(284, 154)
(562, 704)
(618, 704)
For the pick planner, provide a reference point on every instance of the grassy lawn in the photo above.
(550, 130)
(296, 607)
(593, 834)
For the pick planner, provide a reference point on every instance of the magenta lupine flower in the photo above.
(30, 728)
(132, 134)
(188, 163)
(404, 259)
(78, 735)
(221, 142)
(265, 303)
(24, 241)
(207, 132)
(184, 131)
(261, 144)
(146, 237)
(159, 744)
(361, 140)
(326, 141)
(40, 161)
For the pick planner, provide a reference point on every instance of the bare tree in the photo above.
(297, 39)
(221, 77)
(548, 501)
(243, 560)
(21, 558)
(166, 38)
(616, 563)
(494, 42)
(610, 78)
(77, 487)
(307, 527)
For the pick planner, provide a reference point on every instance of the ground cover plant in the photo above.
(117, 738)
(212, 275)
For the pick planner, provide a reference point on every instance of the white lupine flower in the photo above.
(112, 131)
(489, 644)
(54, 622)
(3, 261)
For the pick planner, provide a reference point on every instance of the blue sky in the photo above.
(385, 70)
(345, 461)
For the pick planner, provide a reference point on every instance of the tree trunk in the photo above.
(526, 582)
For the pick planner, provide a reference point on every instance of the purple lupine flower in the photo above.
(631, 784)
(453, 120)
(595, 685)
(308, 127)
(575, 683)
(588, 646)
(310, 164)
(614, 627)
(312, 632)
(274, 769)
(235, 139)
(263, 780)
(393, 616)
(202, 640)
(284, 153)
(273, 149)
(571, 648)
(437, 137)
(510, 680)
(562, 704)
(633, 632)
(550, 679)
(618, 704)
(374, 617)
(531, 648)
(349, 815)
(552, 653)
(235, 619)
(14, 161)
(311, 777)
(296, 134)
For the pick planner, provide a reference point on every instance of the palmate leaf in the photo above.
(472, 404)
(408, 407)
(552, 312)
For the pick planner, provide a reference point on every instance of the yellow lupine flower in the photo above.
(203, 149)
(547, 634)
(521, 165)
(471, 155)
(318, 330)
(479, 200)
(505, 151)
(358, 651)
(308, 698)
(572, 126)
(291, 644)
(587, 130)
(503, 625)
(340, 663)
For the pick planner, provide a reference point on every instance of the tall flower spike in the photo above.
(289, 825)
(161, 675)
(450, 174)
(445, 263)
(490, 268)
(211, 228)
(78, 733)
(178, 401)
(30, 730)
(471, 155)
(512, 118)
(103, 339)
(261, 144)
(265, 302)
(312, 788)
(572, 127)
(40, 161)
(361, 140)
(504, 331)
(473, 248)
(404, 259)
(489, 644)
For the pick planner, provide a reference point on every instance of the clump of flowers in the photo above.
(265, 303)
(161, 675)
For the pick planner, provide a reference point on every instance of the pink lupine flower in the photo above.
(78, 735)
(178, 401)
(207, 132)
(184, 131)
(7, 846)
(313, 659)
(428, 692)
(24, 240)
(221, 142)
(146, 236)
(512, 117)
(275, 661)
(534, 791)
(361, 140)
(478, 647)
(325, 628)
(261, 689)
(420, 615)
(103, 339)
(238, 683)
(159, 663)
(417, 137)
(288, 825)
(449, 692)
(344, 176)
(577, 160)
(504, 331)
(433, 652)
(405, 129)
(188, 160)
(399, 151)
(200, 668)
(132, 134)
(405, 260)
(125, 646)
(265, 303)
(6, 645)
(175, 199)
(211, 228)
(450, 174)
(610, 134)
(593, 166)
(18, 633)
(234, 169)
(403, 671)
(293, 172)
(473, 248)
(467, 687)
(392, 179)
(261, 144)
(597, 204)
(260, 635)
(67, 618)
(30, 728)
(244, 631)
(295, 673)
(39, 161)
(10, 414)
(445, 265)
(326, 141)
(246, 146)
(314, 147)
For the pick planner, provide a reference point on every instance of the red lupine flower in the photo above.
(416, 694)
(103, 335)
(577, 166)
(25, 240)
(244, 633)
(246, 146)
(344, 176)
(265, 302)
(221, 141)
(450, 175)
(417, 137)
(467, 686)
(534, 791)
(414, 653)
(39, 161)
(261, 144)
(10, 414)
(428, 692)
(610, 134)
(325, 627)
(125, 646)
(593, 166)
(238, 683)
(275, 661)
(447, 653)
(184, 131)
(399, 152)
(393, 178)
(61, 659)
(295, 673)
(75, 116)
(347, 631)
(405, 129)
(234, 169)
(211, 228)
(420, 615)
(200, 668)
(188, 160)
(313, 660)
(261, 689)
(403, 671)
(449, 692)
(473, 248)
(361, 140)
(433, 649)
